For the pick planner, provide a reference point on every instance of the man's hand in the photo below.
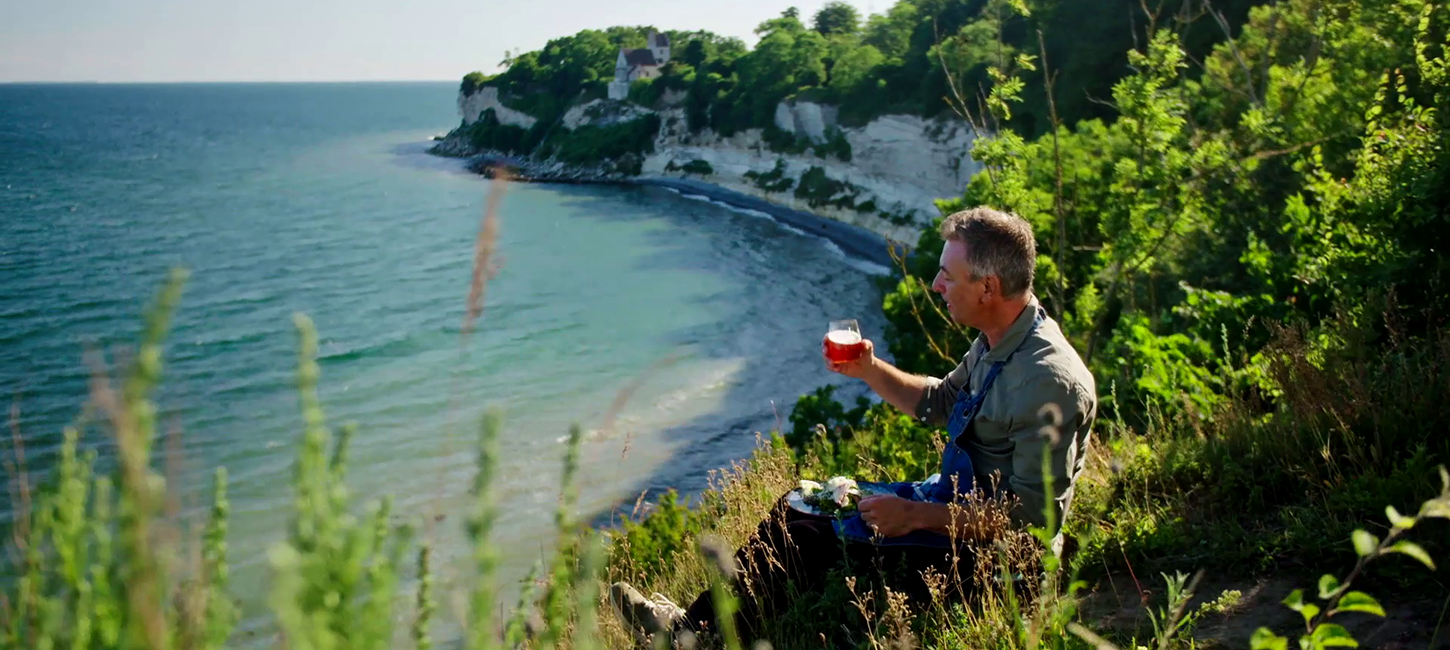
(888, 515)
(856, 368)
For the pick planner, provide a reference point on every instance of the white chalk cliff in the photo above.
(472, 106)
(899, 164)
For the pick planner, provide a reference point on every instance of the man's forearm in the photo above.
(970, 524)
(899, 388)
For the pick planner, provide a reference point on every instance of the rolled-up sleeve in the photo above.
(1033, 439)
(940, 395)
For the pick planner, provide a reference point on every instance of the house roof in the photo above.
(659, 40)
(639, 57)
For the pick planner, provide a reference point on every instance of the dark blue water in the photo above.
(318, 198)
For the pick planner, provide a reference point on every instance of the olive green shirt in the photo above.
(1006, 440)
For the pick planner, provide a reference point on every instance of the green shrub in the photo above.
(644, 92)
(836, 145)
(653, 542)
(590, 144)
(472, 82)
(784, 142)
(489, 134)
(902, 217)
(820, 408)
(697, 167)
(773, 180)
(818, 190)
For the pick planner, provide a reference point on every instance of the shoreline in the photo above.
(853, 240)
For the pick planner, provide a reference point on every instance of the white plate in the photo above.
(796, 500)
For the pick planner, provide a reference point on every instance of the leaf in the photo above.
(1358, 601)
(1333, 634)
(1309, 612)
(1413, 550)
(1295, 601)
(1398, 520)
(1436, 508)
(1328, 584)
(1265, 639)
(1365, 543)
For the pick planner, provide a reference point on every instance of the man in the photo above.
(1020, 392)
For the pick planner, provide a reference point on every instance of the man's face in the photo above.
(954, 282)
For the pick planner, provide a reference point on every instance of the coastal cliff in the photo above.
(884, 176)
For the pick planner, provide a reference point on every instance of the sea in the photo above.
(690, 326)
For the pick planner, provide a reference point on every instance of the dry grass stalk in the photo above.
(483, 255)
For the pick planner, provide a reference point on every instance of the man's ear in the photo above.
(991, 286)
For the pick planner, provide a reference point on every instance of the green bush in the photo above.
(785, 142)
(773, 180)
(592, 144)
(820, 408)
(818, 190)
(700, 167)
(896, 217)
(645, 92)
(472, 82)
(488, 133)
(697, 167)
(836, 146)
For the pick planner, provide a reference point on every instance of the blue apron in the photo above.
(956, 476)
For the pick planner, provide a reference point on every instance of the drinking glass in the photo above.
(843, 341)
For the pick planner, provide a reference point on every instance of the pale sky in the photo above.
(326, 40)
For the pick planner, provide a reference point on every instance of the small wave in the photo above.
(395, 346)
(798, 231)
(236, 338)
(745, 211)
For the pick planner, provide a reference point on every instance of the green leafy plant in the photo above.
(774, 180)
(1338, 598)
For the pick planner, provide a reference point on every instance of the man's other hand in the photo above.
(888, 515)
(856, 368)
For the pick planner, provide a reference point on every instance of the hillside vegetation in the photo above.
(908, 60)
(1242, 236)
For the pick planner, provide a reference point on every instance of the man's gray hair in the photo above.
(998, 243)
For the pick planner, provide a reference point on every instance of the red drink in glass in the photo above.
(843, 342)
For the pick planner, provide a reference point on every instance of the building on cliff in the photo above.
(642, 63)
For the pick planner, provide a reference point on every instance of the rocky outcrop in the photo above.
(806, 119)
(472, 106)
(602, 112)
(526, 170)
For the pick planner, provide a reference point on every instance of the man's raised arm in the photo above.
(928, 398)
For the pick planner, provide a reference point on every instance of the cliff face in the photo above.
(899, 165)
(884, 176)
(472, 106)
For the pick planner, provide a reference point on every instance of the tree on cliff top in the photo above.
(892, 64)
(837, 18)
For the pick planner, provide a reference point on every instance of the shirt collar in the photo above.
(1015, 335)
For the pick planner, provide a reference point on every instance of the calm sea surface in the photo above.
(319, 198)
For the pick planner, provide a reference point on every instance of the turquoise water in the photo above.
(319, 198)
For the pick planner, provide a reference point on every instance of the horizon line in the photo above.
(40, 82)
